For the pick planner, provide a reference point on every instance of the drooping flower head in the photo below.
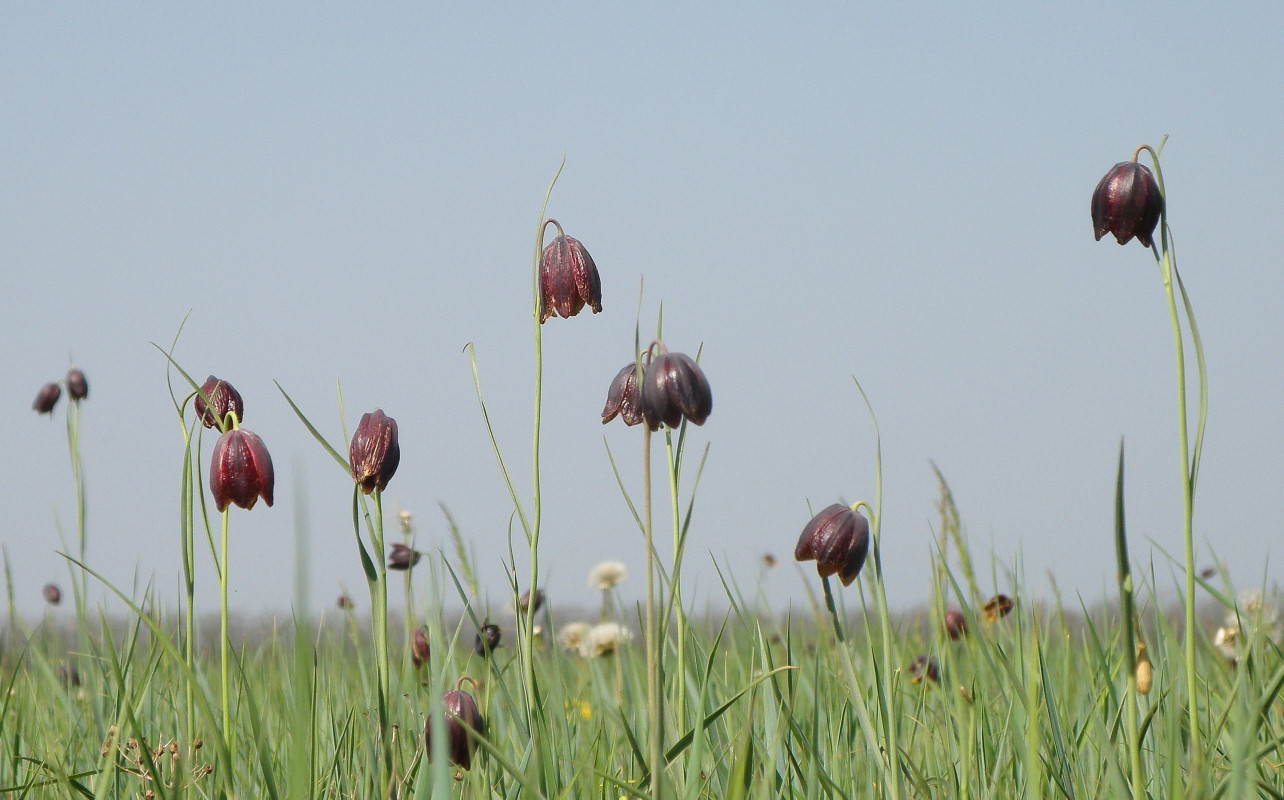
(240, 470)
(403, 557)
(77, 386)
(419, 651)
(673, 388)
(955, 624)
(568, 278)
(998, 607)
(488, 639)
(215, 400)
(52, 594)
(624, 399)
(1127, 202)
(462, 717)
(47, 398)
(838, 540)
(374, 452)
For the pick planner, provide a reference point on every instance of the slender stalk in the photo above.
(379, 621)
(225, 681)
(832, 608)
(653, 699)
(676, 573)
(1130, 637)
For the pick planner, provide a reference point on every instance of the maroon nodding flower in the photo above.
(955, 624)
(530, 602)
(487, 639)
(461, 715)
(1127, 202)
(213, 402)
(568, 278)
(402, 557)
(344, 603)
(838, 539)
(674, 387)
(47, 398)
(52, 594)
(419, 647)
(998, 607)
(77, 386)
(374, 452)
(924, 668)
(240, 470)
(623, 398)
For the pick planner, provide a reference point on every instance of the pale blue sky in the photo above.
(814, 191)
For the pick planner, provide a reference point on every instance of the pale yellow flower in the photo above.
(606, 575)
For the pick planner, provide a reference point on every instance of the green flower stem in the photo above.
(832, 608)
(379, 637)
(225, 682)
(79, 584)
(654, 701)
(680, 612)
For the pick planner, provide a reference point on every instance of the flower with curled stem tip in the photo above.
(240, 470)
(374, 452)
(77, 386)
(623, 398)
(403, 557)
(673, 388)
(215, 400)
(838, 540)
(568, 277)
(463, 724)
(1127, 202)
(47, 398)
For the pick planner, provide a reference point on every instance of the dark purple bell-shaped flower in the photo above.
(674, 387)
(52, 594)
(623, 398)
(47, 398)
(240, 470)
(1127, 203)
(374, 451)
(213, 402)
(568, 278)
(838, 539)
(403, 557)
(924, 668)
(487, 639)
(462, 714)
(77, 386)
(419, 651)
(955, 624)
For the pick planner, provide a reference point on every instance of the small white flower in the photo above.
(1227, 641)
(606, 575)
(604, 639)
(572, 635)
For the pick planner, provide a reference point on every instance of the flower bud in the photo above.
(1127, 203)
(955, 624)
(240, 470)
(52, 594)
(374, 452)
(402, 557)
(998, 607)
(1143, 670)
(838, 539)
(672, 388)
(460, 710)
(215, 399)
(77, 386)
(419, 647)
(622, 398)
(567, 278)
(487, 639)
(47, 398)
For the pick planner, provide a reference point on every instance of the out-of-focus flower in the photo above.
(955, 624)
(1207, 572)
(606, 575)
(527, 602)
(461, 714)
(674, 387)
(769, 561)
(419, 647)
(604, 639)
(924, 668)
(838, 539)
(487, 639)
(215, 400)
(997, 608)
(572, 636)
(1143, 671)
(77, 386)
(578, 708)
(344, 603)
(403, 557)
(47, 398)
(240, 470)
(623, 398)
(1127, 203)
(1227, 641)
(374, 452)
(1254, 616)
(407, 521)
(52, 594)
(68, 675)
(567, 278)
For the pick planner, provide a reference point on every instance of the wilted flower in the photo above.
(213, 402)
(403, 557)
(374, 451)
(53, 595)
(838, 539)
(344, 603)
(604, 639)
(606, 575)
(622, 399)
(526, 602)
(461, 714)
(924, 668)
(1127, 203)
(487, 639)
(955, 624)
(572, 635)
(240, 470)
(567, 278)
(998, 607)
(47, 398)
(674, 387)
(419, 647)
(77, 386)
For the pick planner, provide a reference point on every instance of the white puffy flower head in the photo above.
(606, 575)
(572, 635)
(604, 639)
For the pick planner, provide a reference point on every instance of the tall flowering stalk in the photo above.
(1129, 201)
